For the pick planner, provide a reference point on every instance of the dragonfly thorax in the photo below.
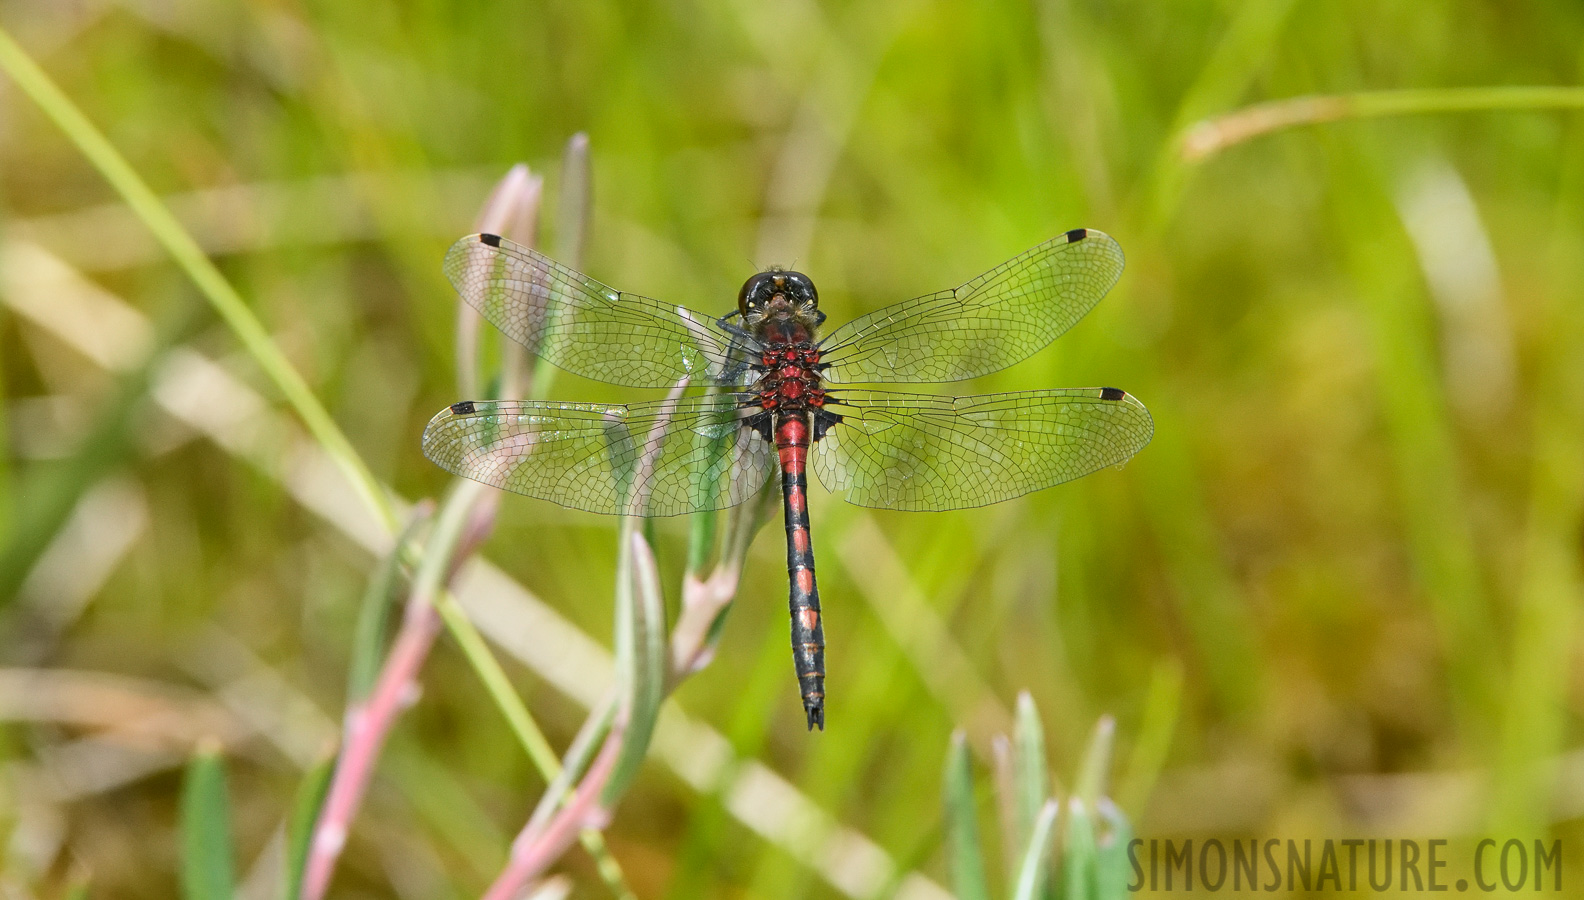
(790, 382)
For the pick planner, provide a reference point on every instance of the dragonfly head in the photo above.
(778, 292)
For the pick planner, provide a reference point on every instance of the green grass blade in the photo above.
(206, 829)
(1031, 781)
(231, 307)
(1034, 870)
(372, 631)
(1077, 867)
(964, 855)
(49, 500)
(299, 828)
(1031, 775)
(187, 254)
(1112, 869)
(1096, 761)
(1155, 730)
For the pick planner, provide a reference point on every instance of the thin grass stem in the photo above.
(1210, 136)
(187, 254)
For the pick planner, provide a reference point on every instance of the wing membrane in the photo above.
(662, 458)
(1000, 318)
(922, 452)
(585, 327)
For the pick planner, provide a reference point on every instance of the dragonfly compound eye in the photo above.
(755, 292)
(801, 288)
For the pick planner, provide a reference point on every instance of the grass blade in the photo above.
(206, 829)
(1211, 136)
(1096, 762)
(45, 504)
(187, 254)
(1030, 775)
(964, 855)
(1078, 854)
(373, 622)
(1155, 730)
(1112, 869)
(299, 828)
(1034, 871)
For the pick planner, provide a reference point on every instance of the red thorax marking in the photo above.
(791, 382)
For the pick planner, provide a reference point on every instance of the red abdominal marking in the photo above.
(792, 440)
(805, 583)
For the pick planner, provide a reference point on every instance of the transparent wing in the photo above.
(590, 329)
(644, 459)
(1000, 318)
(920, 452)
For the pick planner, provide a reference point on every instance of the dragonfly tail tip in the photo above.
(816, 716)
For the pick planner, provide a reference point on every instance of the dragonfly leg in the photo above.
(734, 330)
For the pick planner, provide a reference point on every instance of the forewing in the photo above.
(1000, 318)
(663, 458)
(920, 452)
(585, 327)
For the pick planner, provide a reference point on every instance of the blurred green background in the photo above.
(1337, 595)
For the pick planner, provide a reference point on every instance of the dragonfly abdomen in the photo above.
(808, 633)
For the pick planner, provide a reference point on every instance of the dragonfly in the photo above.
(781, 397)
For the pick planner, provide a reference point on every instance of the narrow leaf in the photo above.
(184, 249)
(577, 200)
(1006, 803)
(1030, 775)
(1096, 761)
(1112, 869)
(304, 815)
(574, 218)
(964, 857)
(1078, 853)
(1034, 871)
(373, 621)
(641, 656)
(1161, 709)
(206, 829)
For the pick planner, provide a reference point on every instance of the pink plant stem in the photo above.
(702, 603)
(366, 727)
(513, 207)
(534, 850)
